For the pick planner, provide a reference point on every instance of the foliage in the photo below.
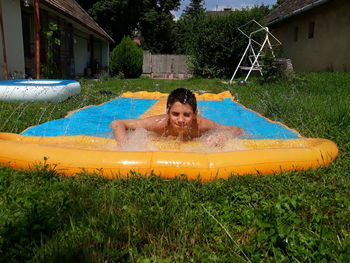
(184, 31)
(211, 41)
(214, 42)
(86, 4)
(270, 69)
(51, 69)
(126, 58)
(194, 9)
(278, 3)
(157, 31)
(187, 27)
(119, 18)
(156, 26)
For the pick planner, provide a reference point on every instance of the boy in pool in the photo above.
(181, 121)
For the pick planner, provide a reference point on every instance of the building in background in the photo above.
(71, 42)
(315, 34)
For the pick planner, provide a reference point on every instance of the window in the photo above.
(296, 32)
(311, 29)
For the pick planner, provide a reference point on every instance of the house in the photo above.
(224, 12)
(50, 38)
(315, 33)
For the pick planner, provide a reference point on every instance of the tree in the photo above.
(118, 18)
(278, 3)
(126, 59)
(151, 18)
(194, 8)
(86, 4)
(157, 24)
(185, 29)
(187, 26)
(157, 32)
(214, 43)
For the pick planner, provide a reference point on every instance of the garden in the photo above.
(294, 216)
(300, 216)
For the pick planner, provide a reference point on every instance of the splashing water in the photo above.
(139, 140)
(143, 140)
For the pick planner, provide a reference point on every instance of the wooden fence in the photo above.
(166, 66)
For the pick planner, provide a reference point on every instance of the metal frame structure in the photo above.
(252, 53)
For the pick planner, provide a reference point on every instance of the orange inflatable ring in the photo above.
(73, 154)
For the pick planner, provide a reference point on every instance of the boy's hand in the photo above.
(217, 139)
(122, 142)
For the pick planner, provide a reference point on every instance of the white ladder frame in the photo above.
(255, 64)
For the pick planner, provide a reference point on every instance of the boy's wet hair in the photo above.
(183, 96)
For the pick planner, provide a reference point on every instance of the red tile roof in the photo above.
(74, 11)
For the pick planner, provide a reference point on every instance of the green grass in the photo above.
(290, 217)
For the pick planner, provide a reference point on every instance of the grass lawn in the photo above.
(290, 217)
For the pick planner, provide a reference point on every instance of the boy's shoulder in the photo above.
(155, 122)
(156, 118)
(205, 124)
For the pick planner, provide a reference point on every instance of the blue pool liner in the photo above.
(228, 112)
(95, 120)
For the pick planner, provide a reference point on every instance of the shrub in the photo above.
(126, 58)
(275, 68)
(214, 43)
(270, 70)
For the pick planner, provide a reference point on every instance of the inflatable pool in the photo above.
(52, 90)
(75, 143)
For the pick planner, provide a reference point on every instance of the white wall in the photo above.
(13, 37)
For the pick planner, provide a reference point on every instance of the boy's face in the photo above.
(181, 116)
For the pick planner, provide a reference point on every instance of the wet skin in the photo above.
(180, 122)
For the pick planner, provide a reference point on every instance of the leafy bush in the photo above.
(214, 43)
(126, 59)
(50, 69)
(270, 70)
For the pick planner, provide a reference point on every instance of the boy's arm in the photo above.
(221, 133)
(235, 130)
(119, 127)
(208, 125)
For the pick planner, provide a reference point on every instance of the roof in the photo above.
(74, 11)
(290, 8)
(225, 12)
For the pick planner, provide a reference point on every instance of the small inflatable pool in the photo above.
(75, 144)
(30, 90)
